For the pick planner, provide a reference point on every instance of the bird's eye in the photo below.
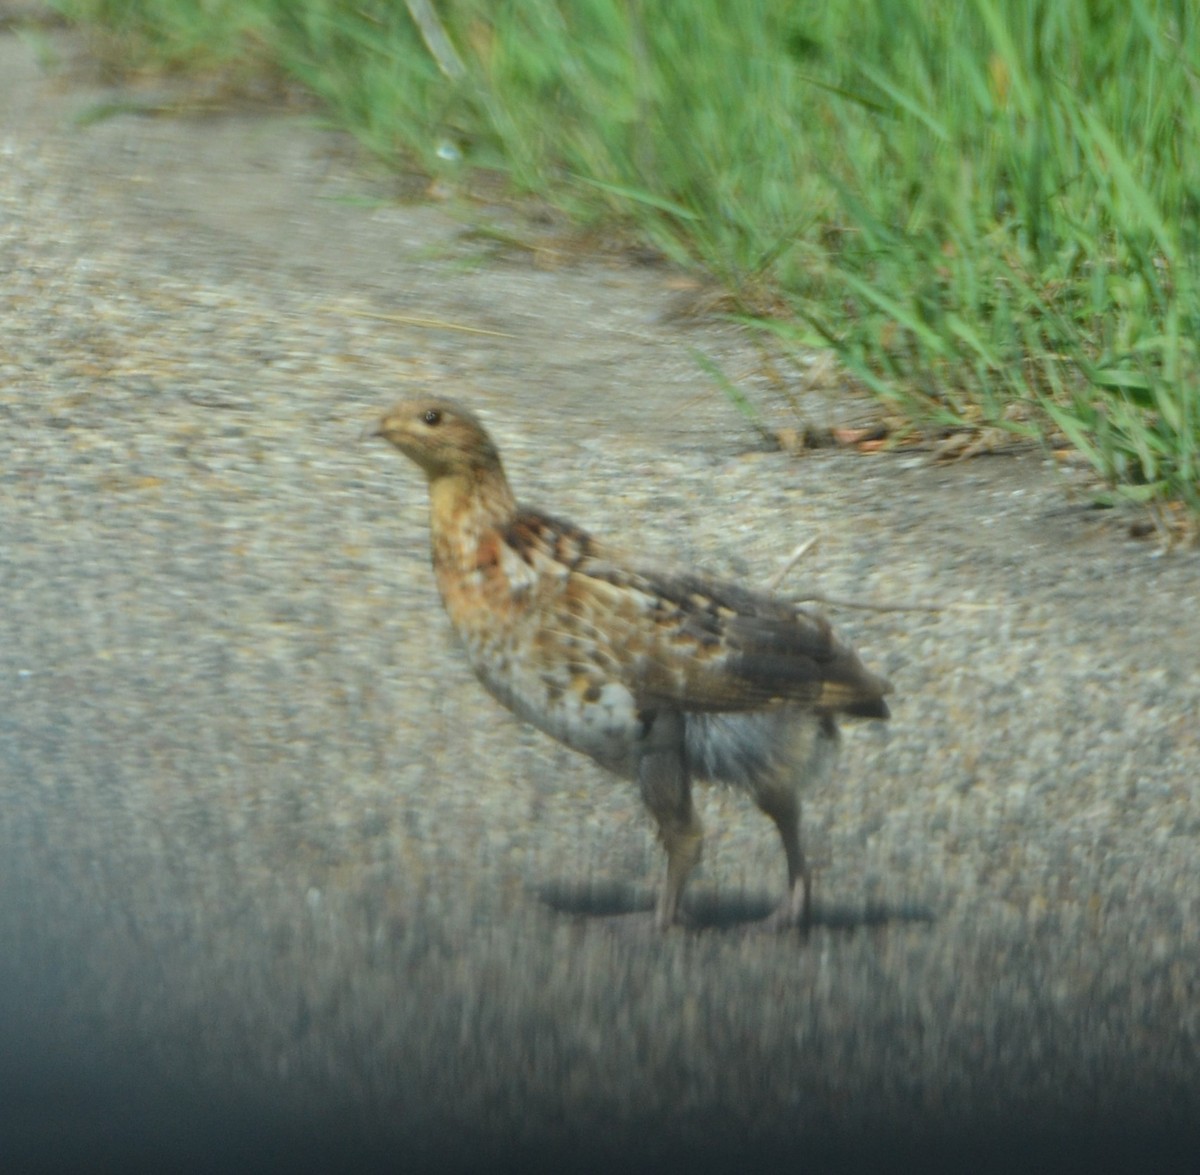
(433, 416)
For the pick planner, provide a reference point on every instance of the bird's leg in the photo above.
(783, 806)
(666, 789)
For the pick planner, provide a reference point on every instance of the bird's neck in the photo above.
(466, 507)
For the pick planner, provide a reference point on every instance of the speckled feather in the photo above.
(682, 640)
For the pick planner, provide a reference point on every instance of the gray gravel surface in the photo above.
(281, 886)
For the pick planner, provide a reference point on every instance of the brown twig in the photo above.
(867, 606)
(772, 584)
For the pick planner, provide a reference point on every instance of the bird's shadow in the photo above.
(707, 910)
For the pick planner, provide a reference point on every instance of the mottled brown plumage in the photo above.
(661, 677)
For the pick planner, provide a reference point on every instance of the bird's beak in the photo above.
(370, 431)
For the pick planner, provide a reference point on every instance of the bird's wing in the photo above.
(685, 640)
(704, 644)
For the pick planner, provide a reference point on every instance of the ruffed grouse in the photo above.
(660, 676)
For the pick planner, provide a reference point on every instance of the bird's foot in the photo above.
(793, 913)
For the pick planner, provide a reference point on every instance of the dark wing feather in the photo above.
(716, 646)
(686, 640)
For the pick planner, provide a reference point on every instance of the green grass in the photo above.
(991, 208)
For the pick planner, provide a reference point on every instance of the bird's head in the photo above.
(441, 436)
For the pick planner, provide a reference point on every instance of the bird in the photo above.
(662, 676)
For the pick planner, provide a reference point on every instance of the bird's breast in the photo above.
(556, 683)
(533, 651)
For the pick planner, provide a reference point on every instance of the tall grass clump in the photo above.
(989, 207)
(1022, 226)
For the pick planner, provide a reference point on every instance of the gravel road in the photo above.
(282, 887)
